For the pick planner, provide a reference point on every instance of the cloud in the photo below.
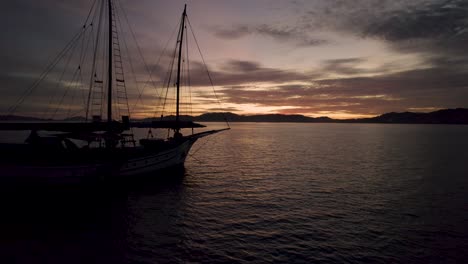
(423, 89)
(347, 66)
(249, 82)
(276, 32)
(242, 66)
(232, 33)
(288, 33)
(426, 27)
(236, 72)
(419, 26)
(433, 20)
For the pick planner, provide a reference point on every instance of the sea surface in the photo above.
(264, 193)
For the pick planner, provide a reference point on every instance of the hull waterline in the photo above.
(151, 162)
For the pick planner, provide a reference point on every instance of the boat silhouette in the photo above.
(107, 148)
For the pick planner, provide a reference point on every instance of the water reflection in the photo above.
(327, 193)
(88, 224)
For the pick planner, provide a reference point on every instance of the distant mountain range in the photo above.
(446, 116)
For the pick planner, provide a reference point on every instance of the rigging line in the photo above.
(82, 55)
(89, 13)
(206, 68)
(64, 94)
(183, 87)
(83, 58)
(136, 42)
(65, 69)
(115, 107)
(169, 77)
(81, 47)
(85, 53)
(93, 40)
(186, 92)
(173, 93)
(171, 98)
(44, 74)
(93, 69)
(129, 59)
(80, 87)
(77, 77)
(169, 73)
(77, 112)
(152, 70)
(91, 25)
(159, 95)
(186, 95)
(188, 76)
(59, 83)
(28, 91)
(207, 139)
(115, 39)
(105, 65)
(72, 98)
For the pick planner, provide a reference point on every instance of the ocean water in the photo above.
(264, 192)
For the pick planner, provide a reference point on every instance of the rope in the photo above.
(138, 48)
(83, 58)
(95, 53)
(52, 64)
(44, 74)
(207, 71)
(117, 14)
(169, 77)
(119, 26)
(64, 94)
(73, 94)
(188, 78)
(59, 83)
(150, 71)
(207, 139)
(89, 13)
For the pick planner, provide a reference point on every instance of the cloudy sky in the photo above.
(334, 58)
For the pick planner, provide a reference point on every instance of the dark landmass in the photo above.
(210, 117)
(446, 116)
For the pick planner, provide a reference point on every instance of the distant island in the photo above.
(445, 116)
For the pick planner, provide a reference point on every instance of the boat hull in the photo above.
(136, 161)
(159, 161)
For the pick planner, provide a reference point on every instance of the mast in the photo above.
(109, 84)
(182, 26)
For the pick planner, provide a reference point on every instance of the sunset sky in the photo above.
(335, 58)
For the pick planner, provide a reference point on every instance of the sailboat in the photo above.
(110, 148)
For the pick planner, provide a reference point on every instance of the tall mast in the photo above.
(182, 26)
(109, 84)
